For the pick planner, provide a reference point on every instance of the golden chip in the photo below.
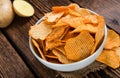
(51, 55)
(61, 22)
(88, 27)
(61, 57)
(54, 38)
(52, 44)
(79, 47)
(74, 13)
(100, 33)
(110, 58)
(53, 17)
(56, 33)
(69, 35)
(91, 19)
(37, 46)
(113, 40)
(117, 50)
(40, 31)
(73, 22)
(41, 44)
(61, 49)
(83, 11)
(58, 9)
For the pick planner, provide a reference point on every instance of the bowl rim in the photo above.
(77, 62)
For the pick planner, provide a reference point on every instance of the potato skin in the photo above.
(6, 13)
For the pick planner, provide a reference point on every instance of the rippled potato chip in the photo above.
(79, 47)
(113, 40)
(110, 58)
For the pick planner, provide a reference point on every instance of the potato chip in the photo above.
(60, 22)
(100, 33)
(56, 33)
(79, 47)
(61, 57)
(73, 22)
(42, 45)
(69, 35)
(58, 9)
(53, 17)
(83, 11)
(51, 55)
(88, 27)
(37, 46)
(52, 44)
(40, 31)
(110, 58)
(113, 40)
(91, 19)
(117, 50)
(74, 13)
(61, 49)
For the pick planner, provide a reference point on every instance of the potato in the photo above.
(6, 13)
(23, 8)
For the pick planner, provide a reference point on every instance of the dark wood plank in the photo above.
(11, 65)
(107, 8)
(110, 73)
(17, 33)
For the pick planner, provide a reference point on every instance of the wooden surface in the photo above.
(16, 59)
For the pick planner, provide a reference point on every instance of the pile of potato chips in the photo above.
(111, 52)
(70, 33)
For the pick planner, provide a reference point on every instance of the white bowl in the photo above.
(72, 66)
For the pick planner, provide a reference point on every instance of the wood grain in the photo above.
(11, 65)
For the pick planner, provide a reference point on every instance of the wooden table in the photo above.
(16, 59)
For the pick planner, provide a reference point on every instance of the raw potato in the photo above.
(6, 13)
(23, 8)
